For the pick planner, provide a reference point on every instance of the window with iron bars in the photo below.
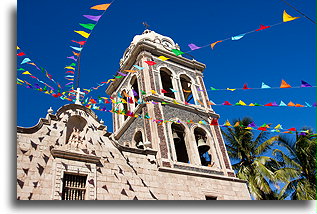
(74, 187)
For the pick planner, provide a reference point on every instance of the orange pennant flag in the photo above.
(76, 54)
(285, 84)
(213, 44)
(125, 94)
(299, 105)
(201, 103)
(291, 104)
(131, 71)
(100, 7)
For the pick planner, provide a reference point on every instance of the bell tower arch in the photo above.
(178, 83)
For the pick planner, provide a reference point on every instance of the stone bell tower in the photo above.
(171, 98)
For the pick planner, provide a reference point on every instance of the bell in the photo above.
(176, 138)
(202, 146)
(140, 145)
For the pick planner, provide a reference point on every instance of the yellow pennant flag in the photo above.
(242, 103)
(83, 33)
(251, 104)
(20, 80)
(237, 124)
(231, 89)
(175, 102)
(153, 92)
(69, 67)
(123, 100)
(163, 58)
(26, 72)
(18, 48)
(287, 18)
(249, 128)
(100, 7)
(227, 123)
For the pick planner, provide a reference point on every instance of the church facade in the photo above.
(166, 155)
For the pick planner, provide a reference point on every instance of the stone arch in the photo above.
(167, 82)
(75, 124)
(188, 89)
(134, 85)
(212, 152)
(138, 137)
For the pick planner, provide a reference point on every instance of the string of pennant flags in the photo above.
(193, 47)
(28, 61)
(76, 51)
(266, 127)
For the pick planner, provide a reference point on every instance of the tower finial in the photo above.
(145, 25)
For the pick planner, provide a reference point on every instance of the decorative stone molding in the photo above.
(70, 155)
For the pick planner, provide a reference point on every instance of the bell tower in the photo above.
(164, 106)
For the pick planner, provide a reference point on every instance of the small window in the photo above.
(74, 187)
(211, 197)
(138, 139)
(203, 147)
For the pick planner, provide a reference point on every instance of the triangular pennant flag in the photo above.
(285, 84)
(262, 128)
(100, 7)
(72, 57)
(76, 48)
(308, 105)
(193, 46)
(212, 45)
(163, 58)
(264, 85)
(150, 62)
(292, 129)
(213, 89)
(291, 104)
(262, 27)
(274, 104)
(163, 91)
(242, 103)
(25, 60)
(237, 37)
(245, 86)
(68, 67)
(226, 103)
(251, 104)
(227, 123)
(282, 103)
(21, 54)
(26, 72)
(211, 103)
(177, 52)
(143, 92)
(175, 102)
(80, 42)
(231, 89)
(279, 126)
(153, 92)
(236, 124)
(172, 90)
(305, 84)
(268, 104)
(252, 124)
(138, 67)
(82, 33)
(94, 18)
(88, 26)
(298, 105)
(21, 69)
(130, 71)
(76, 54)
(214, 122)
(287, 17)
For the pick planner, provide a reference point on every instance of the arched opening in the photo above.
(187, 88)
(203, 147)
(75, 126)
(138, 140)
(135, 89)
(167, 84)
(125, 105)
(179, 143)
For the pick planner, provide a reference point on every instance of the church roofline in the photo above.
(146, 46)
(44, 121)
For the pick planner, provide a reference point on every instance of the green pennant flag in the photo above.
(143, 92)
(42, 70)
(118, 77)
(213, 89)
(21, 69)
(177, 52)
(88, 26)
(45, 88)
(73, 64)
(256, 104)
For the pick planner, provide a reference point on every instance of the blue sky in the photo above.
(286, 51)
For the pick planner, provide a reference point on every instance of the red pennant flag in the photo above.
(21, 54)
(226, 103)
(292, 129)
(262, 27)
(80, 42)
(163, 90)
(93, 101)
(214, 122)
(150, 62)
(107, 101)
(262, 128)
(186, 103)
(269, 104)
(245, 86)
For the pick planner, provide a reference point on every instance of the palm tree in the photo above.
(299, 169)
(251, 163)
